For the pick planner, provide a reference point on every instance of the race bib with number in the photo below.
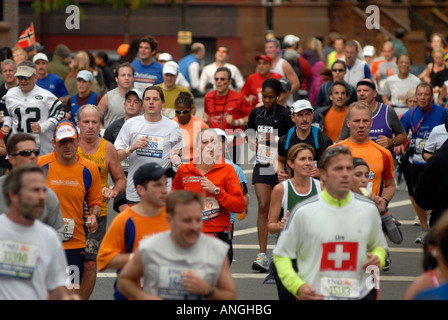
(211, 209)
(171, 286)
(69, 228)
(266, 154)
(339, 288)
(17, 259)
(154, 148)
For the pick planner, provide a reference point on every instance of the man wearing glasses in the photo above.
(207, 81)
(31, 109)
(22, 150)
(227, 109)
(338, 70)
(188, 123)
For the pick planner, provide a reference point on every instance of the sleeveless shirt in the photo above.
(115, 107)
(99, 158)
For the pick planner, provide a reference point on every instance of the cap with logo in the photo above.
(40, 56)
(65, 130)
(25, 71)
(151, 171)
(300, 105)
(171, 67)
(137, 92)
(85, 75)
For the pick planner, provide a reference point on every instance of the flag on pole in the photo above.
(27, 38)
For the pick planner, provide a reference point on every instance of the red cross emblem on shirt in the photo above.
(339, 256)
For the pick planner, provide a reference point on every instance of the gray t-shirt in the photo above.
(163, 263)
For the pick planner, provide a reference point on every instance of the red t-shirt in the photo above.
(218, 106)
(253, 85)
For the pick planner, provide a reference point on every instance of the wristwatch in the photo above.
(217, 190)
(393, 142)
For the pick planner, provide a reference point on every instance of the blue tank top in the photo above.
(74, 106)
(380, 127)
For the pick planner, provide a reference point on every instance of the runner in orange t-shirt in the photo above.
(136, 222)
(190, 124)
(379, 159)
(380, 162)
(75, 180)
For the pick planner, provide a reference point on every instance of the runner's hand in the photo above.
(207, 185)
(307, 292)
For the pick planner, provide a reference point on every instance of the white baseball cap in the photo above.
(368, 51)
(222, 133)
(300, 105)
(171, 67)
(40, 56)
(137, 92)
(290, 39)
(165, 57)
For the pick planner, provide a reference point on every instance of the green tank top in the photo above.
(294, 198)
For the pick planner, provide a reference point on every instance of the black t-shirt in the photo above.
(277, 119)
(264, 122)
(324, 142)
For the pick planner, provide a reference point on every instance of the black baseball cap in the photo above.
(151, 171)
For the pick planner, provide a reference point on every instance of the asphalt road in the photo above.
(405, 267)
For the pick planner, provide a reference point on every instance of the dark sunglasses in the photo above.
(27, 153)
(182, 112)
(222, 79)
(23, 78)
(338, 70)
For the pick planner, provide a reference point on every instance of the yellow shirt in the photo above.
(99, 158)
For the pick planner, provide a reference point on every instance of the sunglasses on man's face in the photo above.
(182, 111)
(23, 78)
(27, 153)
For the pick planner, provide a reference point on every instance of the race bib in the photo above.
(419, 145)
(17, 259)
(211, 209)
(339, 288)
(154, 148)
(69, 228)
(171, 285)
(266, 154)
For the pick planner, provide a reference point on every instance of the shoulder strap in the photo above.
(315, 132)
(290, 132)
